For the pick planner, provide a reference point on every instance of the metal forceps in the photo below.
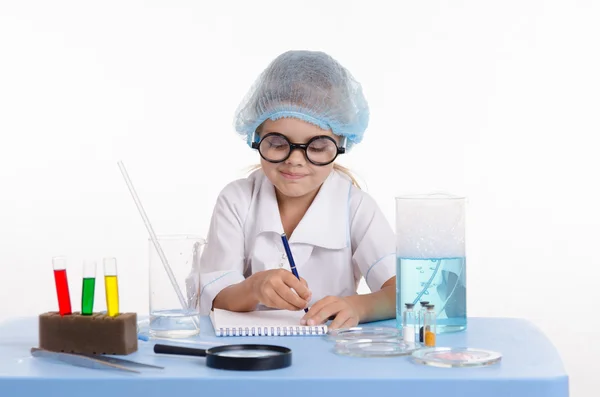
(92, 360)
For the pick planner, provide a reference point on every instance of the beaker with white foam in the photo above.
(431, 258)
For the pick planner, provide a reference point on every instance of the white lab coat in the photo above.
(343, 236)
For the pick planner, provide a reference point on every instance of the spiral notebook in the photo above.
(262, 323)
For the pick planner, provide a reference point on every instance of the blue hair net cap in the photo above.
(310, 86)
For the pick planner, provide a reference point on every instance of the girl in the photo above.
(304, 110)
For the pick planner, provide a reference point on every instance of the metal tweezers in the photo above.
(91, 360)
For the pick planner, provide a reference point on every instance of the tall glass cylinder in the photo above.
(430, 257)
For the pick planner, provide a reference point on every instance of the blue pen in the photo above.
(288, 252)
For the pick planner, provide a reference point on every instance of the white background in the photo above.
(494, 100)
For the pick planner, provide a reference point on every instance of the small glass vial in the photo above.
(408, 323)
(430, 329)
(420, 318)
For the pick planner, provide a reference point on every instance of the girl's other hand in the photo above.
(340, 310)
(275, 288)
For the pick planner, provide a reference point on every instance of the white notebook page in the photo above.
(260, 318)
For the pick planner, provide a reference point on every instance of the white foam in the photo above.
(430, 226)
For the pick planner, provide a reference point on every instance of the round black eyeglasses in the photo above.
(319, 150)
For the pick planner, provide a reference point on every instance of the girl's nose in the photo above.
(296, 157)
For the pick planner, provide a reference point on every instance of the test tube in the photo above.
(408, 323)
(421, 317)
(430, 326)
(111, 286)
(88, 288)
(59, 264)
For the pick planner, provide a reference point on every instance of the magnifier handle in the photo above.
(179, 350)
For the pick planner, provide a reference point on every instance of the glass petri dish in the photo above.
(450, 357)
(363, 333)
(376, 348)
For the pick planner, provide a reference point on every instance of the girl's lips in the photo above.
(288, 175)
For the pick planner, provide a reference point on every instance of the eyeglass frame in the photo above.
(301, 146)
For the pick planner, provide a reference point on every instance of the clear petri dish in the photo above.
(363, 333)
(376, 348)
(450, 357)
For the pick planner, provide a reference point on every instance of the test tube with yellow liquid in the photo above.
(111, 286)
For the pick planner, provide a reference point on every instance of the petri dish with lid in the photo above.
(376, 348)
(450, 357)
(363, 333)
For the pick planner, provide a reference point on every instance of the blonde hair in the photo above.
(347, 172)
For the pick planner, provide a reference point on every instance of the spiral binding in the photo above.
(272, 331)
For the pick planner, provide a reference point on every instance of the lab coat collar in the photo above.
(325, 224)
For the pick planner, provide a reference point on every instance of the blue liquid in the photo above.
(441, 281)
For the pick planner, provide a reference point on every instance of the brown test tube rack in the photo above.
(88, 334)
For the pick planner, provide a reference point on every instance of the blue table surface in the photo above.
(530, 366)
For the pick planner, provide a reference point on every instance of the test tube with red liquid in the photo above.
(59, 264)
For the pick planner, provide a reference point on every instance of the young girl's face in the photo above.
(296, 176)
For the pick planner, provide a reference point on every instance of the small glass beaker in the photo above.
(430, 257)
(168, 319)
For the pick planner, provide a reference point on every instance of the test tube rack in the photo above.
(88, 334)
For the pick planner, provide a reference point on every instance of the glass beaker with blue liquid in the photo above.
(430, 257)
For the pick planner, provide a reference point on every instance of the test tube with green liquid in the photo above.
(89, 287)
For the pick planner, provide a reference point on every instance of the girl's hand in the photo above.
(273, 288)
(342, 312)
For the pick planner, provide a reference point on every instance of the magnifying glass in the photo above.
(235, 357)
